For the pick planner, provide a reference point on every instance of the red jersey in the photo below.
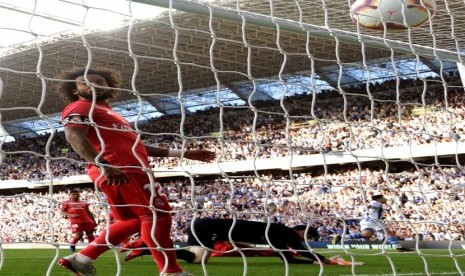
(80, 208)
(116, 132)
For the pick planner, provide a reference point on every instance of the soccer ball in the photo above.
(371, 14)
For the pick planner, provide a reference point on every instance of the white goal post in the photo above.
(217, 11)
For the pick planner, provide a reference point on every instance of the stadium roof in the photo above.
(175, 50)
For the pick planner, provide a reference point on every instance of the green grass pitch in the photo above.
(35, 262)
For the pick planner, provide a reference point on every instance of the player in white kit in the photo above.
(372, 224)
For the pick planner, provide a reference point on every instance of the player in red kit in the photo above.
(81, 218)
(118, 163)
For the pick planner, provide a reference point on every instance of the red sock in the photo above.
(163, 238)
(90, 237)
(75, 240)
(118, 232)
(138, 243)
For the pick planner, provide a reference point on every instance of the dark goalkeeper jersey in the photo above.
(279, 236)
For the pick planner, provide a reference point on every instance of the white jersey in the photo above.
(371, 220)
(375, 211)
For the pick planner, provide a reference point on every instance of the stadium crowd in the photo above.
(425, 201)
(336, 127)
(426, 204)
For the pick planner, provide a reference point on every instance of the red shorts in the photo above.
(87, 227)
(132, 200)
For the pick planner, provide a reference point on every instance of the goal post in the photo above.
(461, 68)
(242, 15)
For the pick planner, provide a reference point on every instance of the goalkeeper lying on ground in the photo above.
(284, 241)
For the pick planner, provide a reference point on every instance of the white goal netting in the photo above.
(309, 114)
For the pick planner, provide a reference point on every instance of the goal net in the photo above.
(310, 114)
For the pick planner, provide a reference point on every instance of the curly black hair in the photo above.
(376, 197)
(65, 89)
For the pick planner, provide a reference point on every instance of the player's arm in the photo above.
(317, 259)
(292, 260)
(77, 138)
(310, 257)
(295, 243)
(287, 239)
(64, 212)
(90, 214)
(200, 155)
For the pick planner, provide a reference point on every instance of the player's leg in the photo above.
(390, 236)
(136, 243)
(90, 236)
(136, 253)
(136, 248)
(127, 222)
(163, 239)
(394, 241)
(186, 255)
(89, 230)
(132, 242)
(201, 241)
(114, 235)
(77, 236)
(199, 253)
(155, 226)
(365, 234)
(82, 263)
